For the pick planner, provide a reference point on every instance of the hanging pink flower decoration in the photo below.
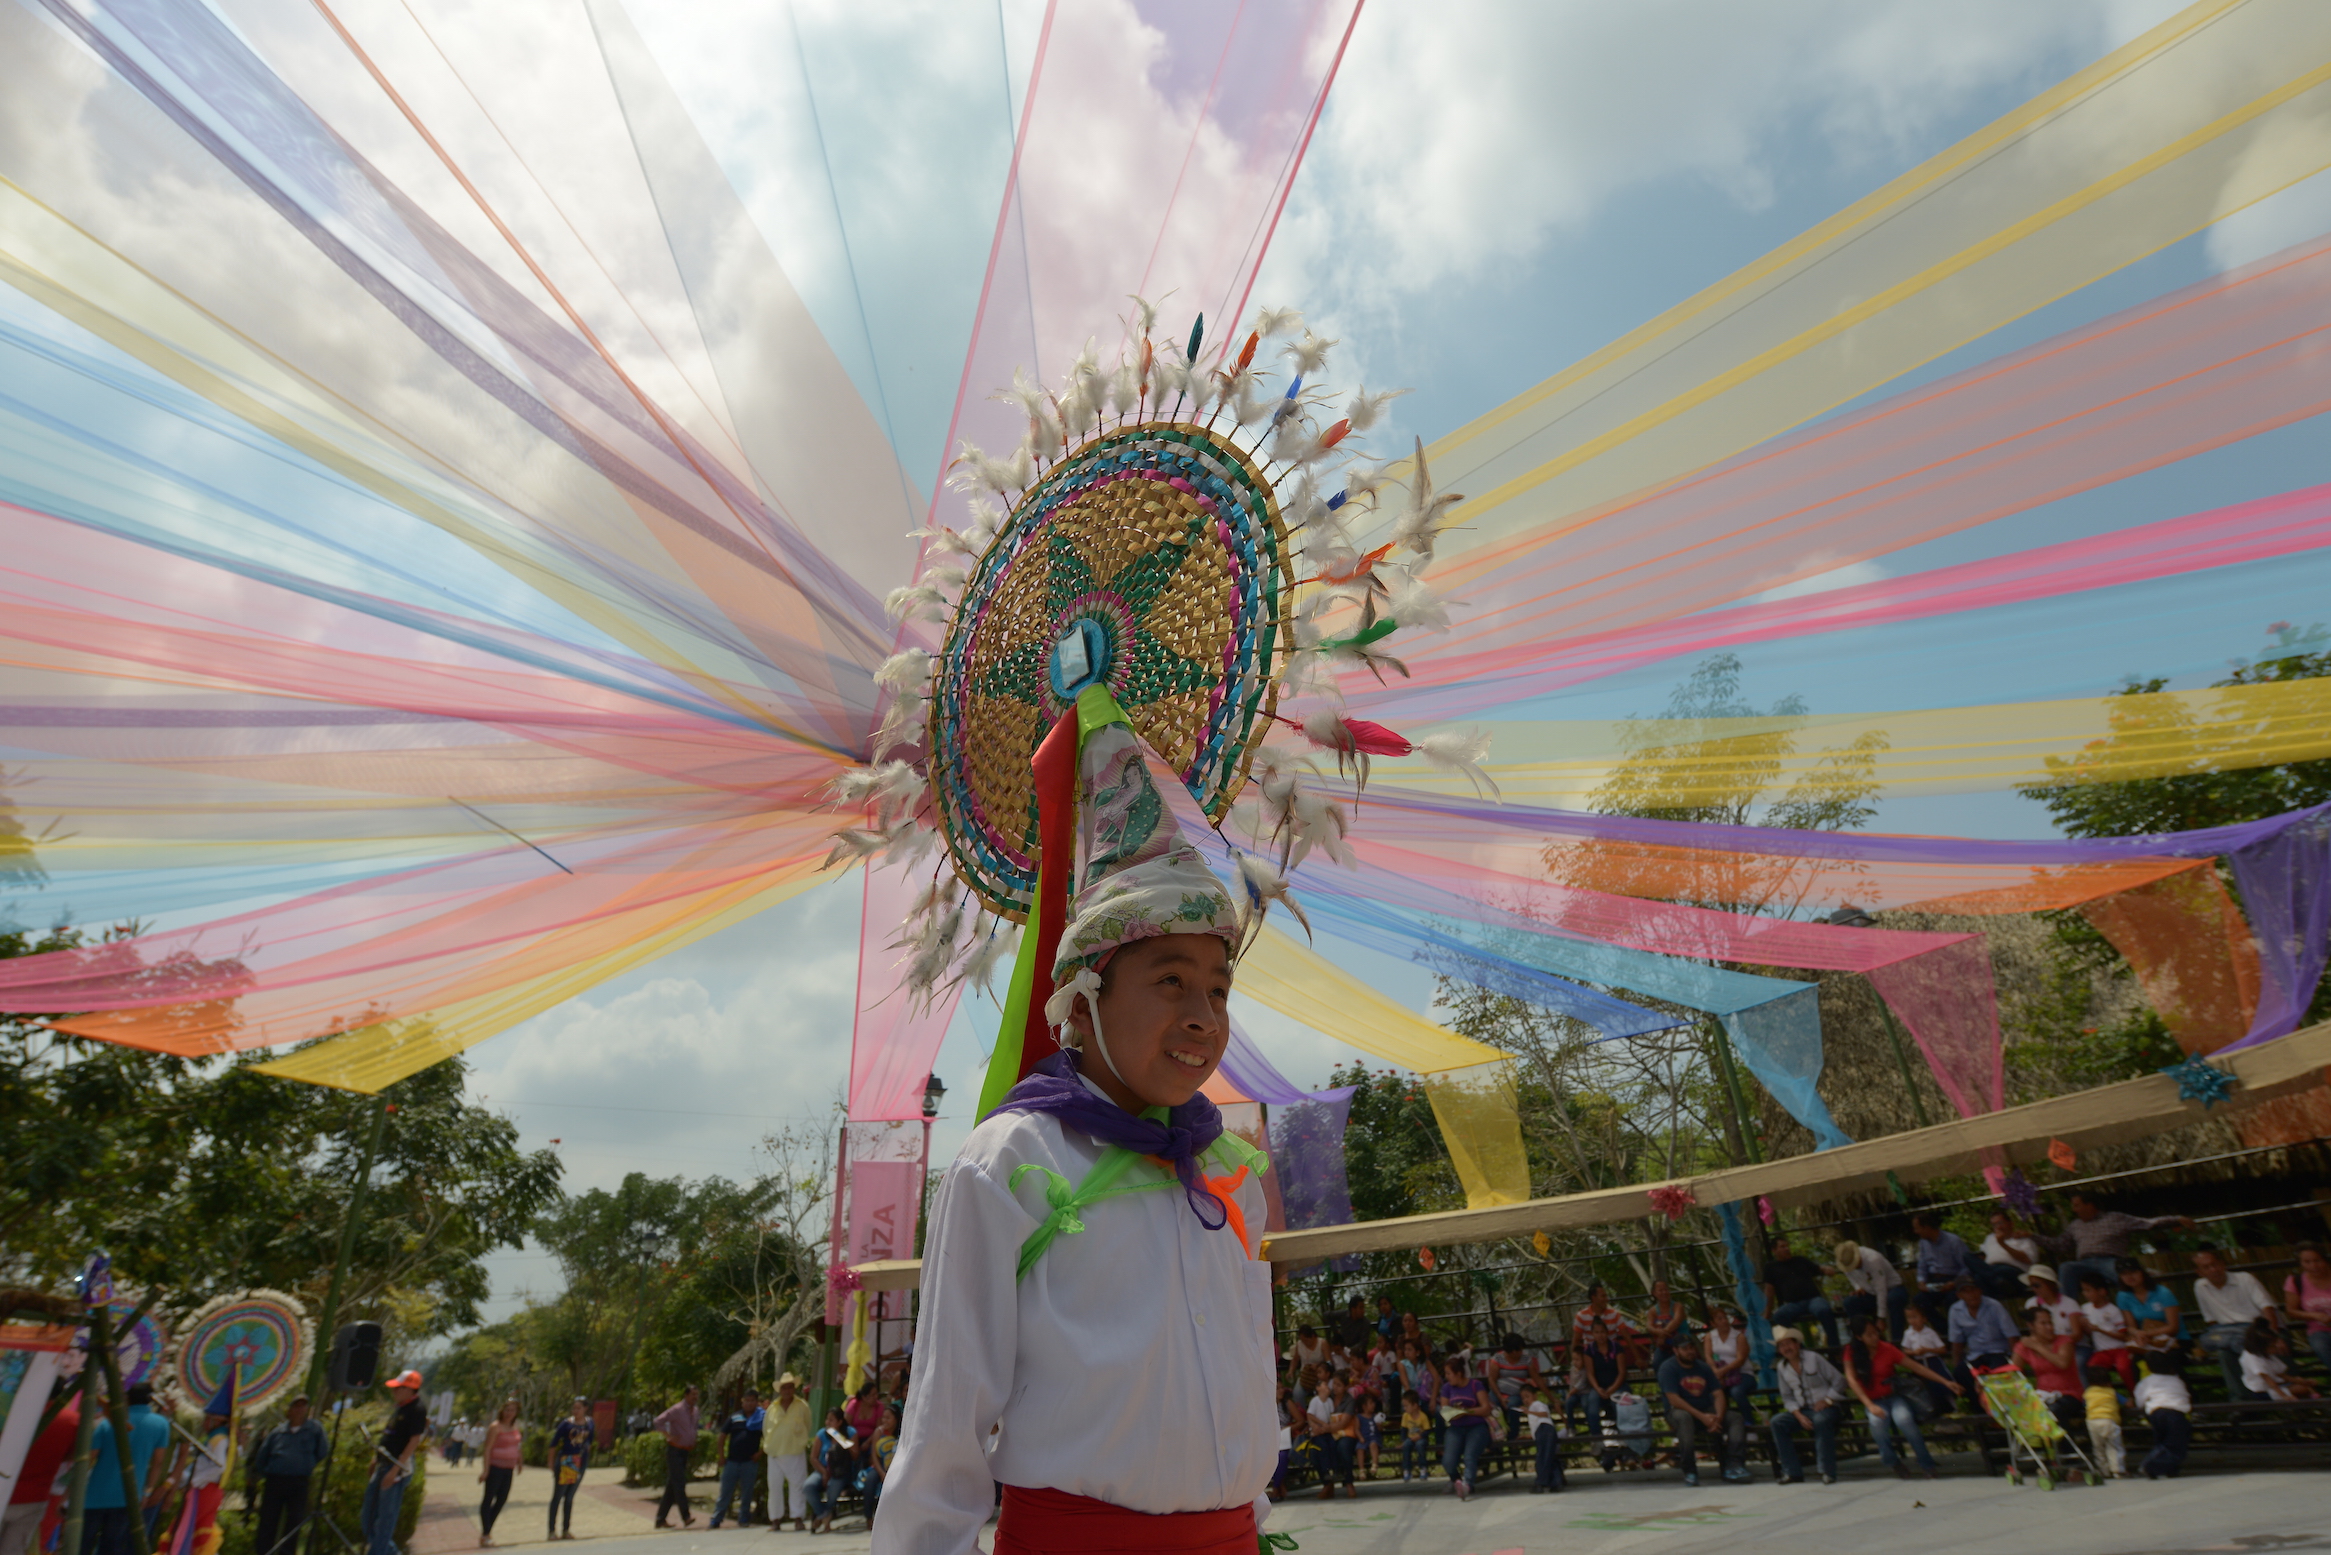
(1764, 1209)
(1672, 1200)
(843, 1279)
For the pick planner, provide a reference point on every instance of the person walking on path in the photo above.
(785, 1439)
(501, 1459)
(570, 1454)
(740, 1457)
(285, 1460)
(392, 1464)
(678, 1424)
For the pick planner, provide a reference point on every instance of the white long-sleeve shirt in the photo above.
(1133, 1365)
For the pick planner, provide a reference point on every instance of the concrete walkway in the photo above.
(1962, 1513)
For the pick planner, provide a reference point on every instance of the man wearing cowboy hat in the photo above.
(785, 1438)
(392, 1464)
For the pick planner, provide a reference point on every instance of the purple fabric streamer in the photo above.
(2285, 880)
(1307, 1142)
(1053, 1086)
(1244, 1066)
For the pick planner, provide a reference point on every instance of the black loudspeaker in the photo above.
(355, 1362)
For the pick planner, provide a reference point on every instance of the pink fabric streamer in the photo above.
(2225, 359)
(1945, 997)
(894, 1041)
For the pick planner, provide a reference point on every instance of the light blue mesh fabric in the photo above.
(1748, 1290)
(1780, 1042)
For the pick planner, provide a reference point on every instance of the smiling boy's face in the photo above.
(1165, 1015)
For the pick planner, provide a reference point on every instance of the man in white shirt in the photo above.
(2008, 1252)
(1876, 1285)
(1101, 1350)
(2228, 1302)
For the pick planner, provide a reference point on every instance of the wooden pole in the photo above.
(117, 1411)
(1745, 1135)
(1902, 1057)
(327, 1325)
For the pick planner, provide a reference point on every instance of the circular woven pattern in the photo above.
(263, 1334)
(1156, 551)
(139, 1346)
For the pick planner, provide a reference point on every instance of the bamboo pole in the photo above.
(117, 1411)
(1902, 1057)
(84, 1458)
(327, 1325)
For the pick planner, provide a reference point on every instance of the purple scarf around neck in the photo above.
(1053, 1086)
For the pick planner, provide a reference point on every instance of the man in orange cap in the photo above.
(392, 1464)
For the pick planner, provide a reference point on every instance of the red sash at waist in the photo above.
(1053, 1522)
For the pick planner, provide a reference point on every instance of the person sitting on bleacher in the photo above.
(2095, 1237)
(2155, 1323)
(1664, 1321)
(1871, 1365)
(1878, 1290)
(1696, 1404)
(2230, 1301)
(1813, 1396)
(1599, 1376)
(1617, 1326)
(1792, 1291)
(1983, 1336)
(1465, 1408)
(1507, 1372)
(2265, 1369)
(1726, 1346)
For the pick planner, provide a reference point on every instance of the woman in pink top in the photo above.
(499, 1463)
(2054, 1368)
(2306, 1296)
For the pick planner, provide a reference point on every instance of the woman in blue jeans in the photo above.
(833, 1462)
(1870, 1365)
(1468, 1433)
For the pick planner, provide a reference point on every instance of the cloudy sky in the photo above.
(1497, 188)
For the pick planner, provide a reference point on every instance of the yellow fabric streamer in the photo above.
(1481, 1122)
(2210, 112)
(860, 1354)
(1938, 751)
(1469, 1083)
(372, 1057)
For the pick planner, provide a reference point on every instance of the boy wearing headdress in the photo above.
(1096, 1331)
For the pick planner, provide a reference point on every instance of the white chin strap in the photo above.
(1086, 983)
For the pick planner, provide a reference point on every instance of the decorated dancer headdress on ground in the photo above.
(1172, 573)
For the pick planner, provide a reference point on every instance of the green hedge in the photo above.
(343, 1496)
(643, 1458)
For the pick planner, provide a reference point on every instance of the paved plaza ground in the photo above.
(2284, 1507)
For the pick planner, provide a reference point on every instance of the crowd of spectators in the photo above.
(1894, 1347)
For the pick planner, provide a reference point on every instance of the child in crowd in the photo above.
(2264, 1367)
(1538, 1424)
(1416, 1448)
(2104, 1418)
(2108, 1328)
(1371, 1422)
(2167, 1406)
(1925, 1344)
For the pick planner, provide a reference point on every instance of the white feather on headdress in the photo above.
(1277, 321)
(905, 670)
(1414, 605)
(1310, 353)
(1419, 526)
(1364, 410)
(1462, 751)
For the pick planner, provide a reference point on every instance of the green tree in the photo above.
(205, 1175)
(2085, 797)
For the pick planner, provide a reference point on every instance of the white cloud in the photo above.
(1848, 576)
(2294, 215)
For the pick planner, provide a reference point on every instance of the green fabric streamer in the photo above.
(1101, 1183)
(1003, 1065)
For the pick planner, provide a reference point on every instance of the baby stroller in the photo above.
(1627, 1438)
(2031, 1427)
